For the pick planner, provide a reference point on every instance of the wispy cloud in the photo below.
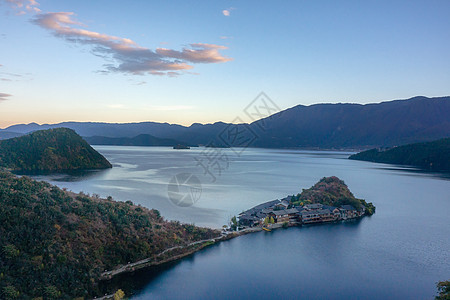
(6, 76)
(24, 6)
(127, 55)
(4, 96)
(227, 12)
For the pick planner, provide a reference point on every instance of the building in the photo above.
(286, 215)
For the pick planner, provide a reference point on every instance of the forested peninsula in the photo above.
(59, 149)
(56, 244)
(433, 156)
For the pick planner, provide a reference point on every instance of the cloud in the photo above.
(126, 55)
(4, 96)
(227, 12)
(200, 53)
(24, 6)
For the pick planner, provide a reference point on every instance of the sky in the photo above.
(190, 62)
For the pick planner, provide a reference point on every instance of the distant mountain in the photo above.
(50, 150)
(433, 156)
(323, 126)
(8, 135)
(358, 126)
(140, 140)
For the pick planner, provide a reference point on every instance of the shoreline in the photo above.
(153, 261)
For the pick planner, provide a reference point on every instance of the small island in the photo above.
(431, 156)
(51, 150)
(329, 200)
(181, 147)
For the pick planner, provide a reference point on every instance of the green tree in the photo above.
(234, 223)
(52, 292)
(11, 292)
(11, 251)
(272, 221)
(443, 288)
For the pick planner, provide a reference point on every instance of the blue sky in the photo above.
(204, 61)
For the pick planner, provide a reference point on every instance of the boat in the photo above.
(179, 146)
(266, 229)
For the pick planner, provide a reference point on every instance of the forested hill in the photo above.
(434, 156)
(58, 149)
(55, 244)
(334, 192)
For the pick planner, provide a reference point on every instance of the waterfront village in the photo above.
(283, 213)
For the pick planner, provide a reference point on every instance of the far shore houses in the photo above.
(282, 212)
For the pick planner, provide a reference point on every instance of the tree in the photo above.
(266, 221)
(234, 223)
(272, 221)
(443, 288)
(119, 294)
(11, 292)
(52, 292)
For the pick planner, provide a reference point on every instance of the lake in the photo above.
(398, 253)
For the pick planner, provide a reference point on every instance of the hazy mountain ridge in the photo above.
(341, 125)
(140, 140)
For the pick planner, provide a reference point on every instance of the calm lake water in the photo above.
(398, 253)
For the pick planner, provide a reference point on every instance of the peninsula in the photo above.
(329, 200)
(57, 244)
(431, 156)
(51, 150)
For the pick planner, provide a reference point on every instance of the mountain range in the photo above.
(323, 126)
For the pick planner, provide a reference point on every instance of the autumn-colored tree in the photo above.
(119, 294)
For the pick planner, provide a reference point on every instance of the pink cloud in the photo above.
(4, 96)
(24, 6)
(127, 55)
(227, 12)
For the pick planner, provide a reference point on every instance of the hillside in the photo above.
(434, 156)
(140, 140)
(8, 135)
(50, 150)
(366, 126)
(341, 125)
(332, 191)
(55, 244)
